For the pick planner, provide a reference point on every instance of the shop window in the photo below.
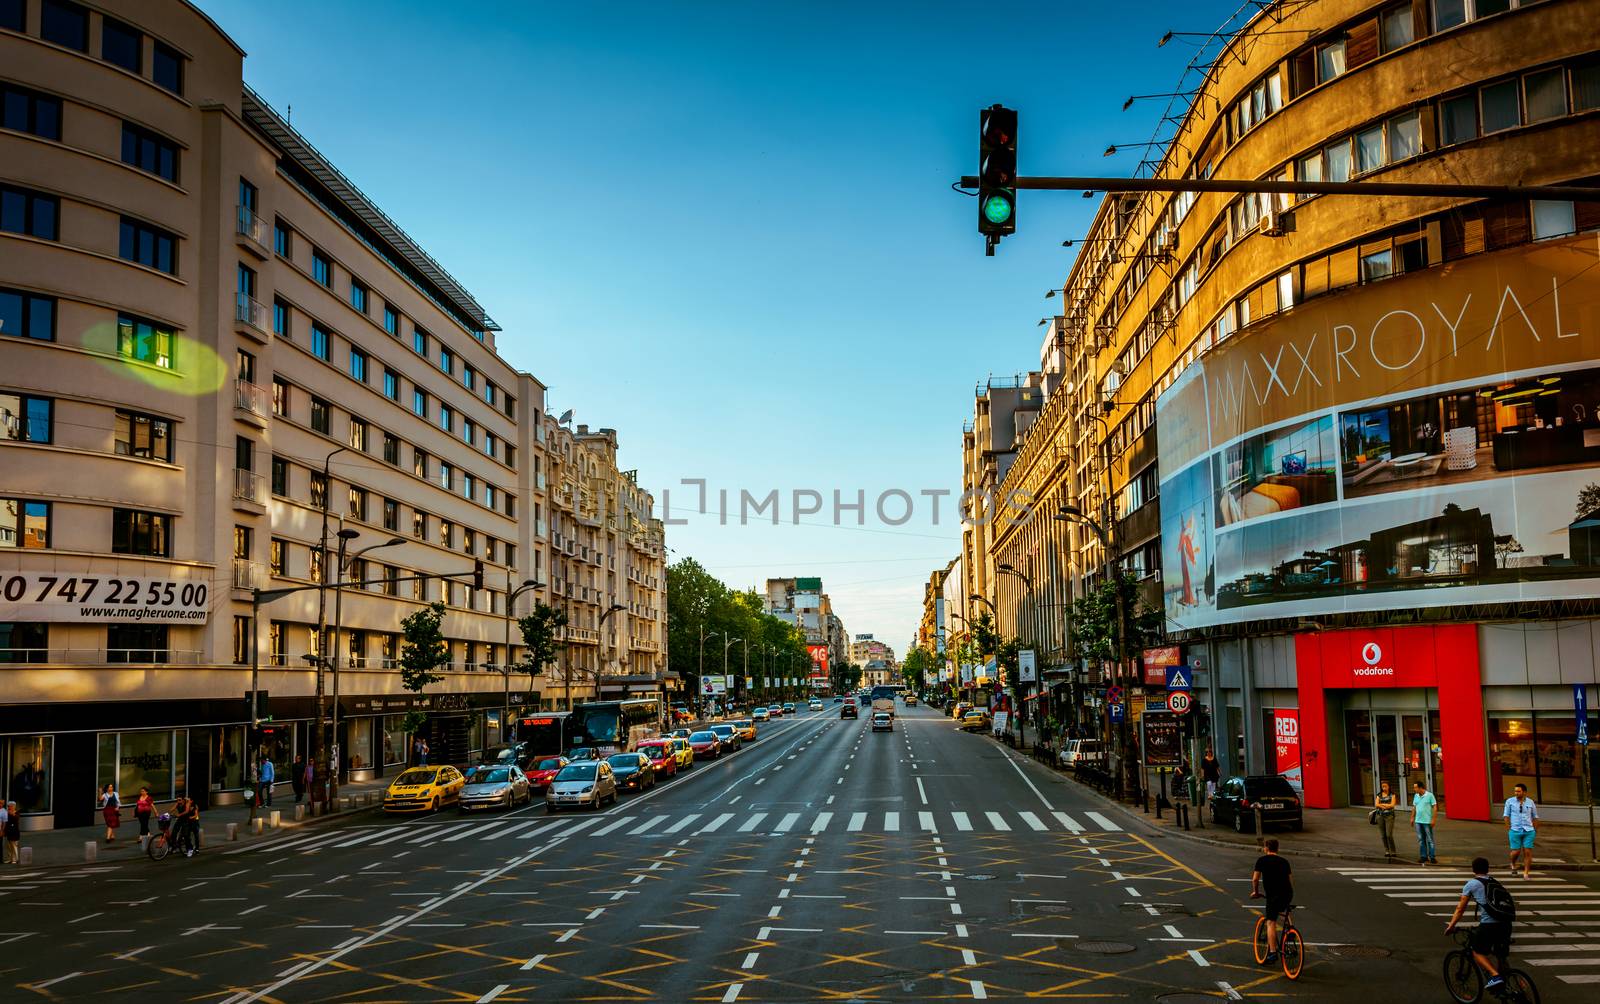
(1552, 219)
(141, 643)
(361, 743)
(394, 740)
(1539, 751)
(29, 764)
(24, 642)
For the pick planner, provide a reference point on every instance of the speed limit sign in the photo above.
(1178, 702)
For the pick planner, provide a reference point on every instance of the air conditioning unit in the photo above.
(1168, 243)
(1277, 222)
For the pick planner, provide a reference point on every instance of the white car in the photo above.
(815, 705)
(882, 721)
(585, 783)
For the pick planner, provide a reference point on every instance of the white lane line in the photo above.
(891, 821)
(750, 960)
(464, 834)
(967, 958)
(821, 822)
(680, 824)
(978, 993)
(496, 992)
(732, 994)
(566, 935)
(1033, 821)
(1103, 822)
(716, 824)
(1072, 825)
(752, 822)
(1227, 988)
(508, 830)
(925, 820)
(997, 821)
(647, 824)
(1027, 780)
(619, 823)
(399, 835)
(963, 823)
(857, 820)
(1199, 960)
(786, 823)
(58, 979)
(922, 791)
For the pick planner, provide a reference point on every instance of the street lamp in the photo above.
(320, 750)
(726, 645)
(600, 627)
(505, 658)
(1071, 513)
(345, 536)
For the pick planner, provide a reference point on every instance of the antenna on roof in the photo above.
(566, 417)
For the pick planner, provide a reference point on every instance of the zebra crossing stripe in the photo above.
(581, 825)
(997, 821)
(471, 832)
(537, 831)
(624, 821)
(716, 824)
(1103, 822)
(821, 822)
(1072, 825)
(650, 823)
(752, 822)
(891, 821)
(1033, 821)
(506, 831)
(785, 824)
(962, 822)
(926, 821)
(401, 834)
(680, 824)
(363, 838)
(857, 820)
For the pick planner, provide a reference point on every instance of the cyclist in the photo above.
(1491, 939)
(1271, 880)
(185, 833)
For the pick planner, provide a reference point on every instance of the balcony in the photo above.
(101, 656)
(251, 403)
(249, 491)
(248, 575)
(252, 233)
(251, 316)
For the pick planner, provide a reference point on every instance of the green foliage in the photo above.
(1588, 500)
(423, 651)
(702, 613)
(919, 665)
(539, 639)
(1094, 621)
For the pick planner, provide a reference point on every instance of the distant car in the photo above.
(679, 734)
(663, 758)
(848, 711)
(882, 721)
(864, 699)
(683, 751)
(632, 771)
(976, 720)
(775, 710)
(423, 789)
(760, 715)
(788, 708)
(729, 735)
(838, 700)
(580, 753)
(814, 705)
(960, 708)
(911, 700)
(706, 746)
(587, 782)
(541, 773)
(747, 728)
(1238, 798)
(498, 786)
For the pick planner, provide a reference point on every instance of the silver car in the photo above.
(585, 783)
(495, 786)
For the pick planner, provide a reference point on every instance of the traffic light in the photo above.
(477, 574)
(259, 707)
(997, 174)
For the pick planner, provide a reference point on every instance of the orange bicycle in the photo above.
(1291, 947)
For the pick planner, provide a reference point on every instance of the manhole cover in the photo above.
(1103, 947)
(1360, 951)
(1186, 999)
(980, 878)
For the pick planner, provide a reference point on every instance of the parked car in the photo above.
(975, 720)
(587, 782)
(679, 733)
(706, 746)
(1238, 798)
(911, 700)
(961, 708)
(760, 715)
(729, 734)
(632, 771)
(848, 711)
(423, 789)
(663, 758)
(544, 771)
(495, 786)
(1075, 751)
(882, 721)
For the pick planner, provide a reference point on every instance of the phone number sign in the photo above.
(35, 596)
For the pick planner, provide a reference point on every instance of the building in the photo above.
(876, 659)
(1347, 442)
(223, 368)
(1002, 413)
(801, 602)
(943, 630)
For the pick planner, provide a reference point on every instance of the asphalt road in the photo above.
(823, 862)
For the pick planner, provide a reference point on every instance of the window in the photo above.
(24, 524)
(280, 477)
(321, 268)
(469, 431)
(490, 496)
(1377, 265)
(419, 402)
(511, 456)
(244, 454)
(319, 490)
(136, 643)
(447, 417)
(245, 281)
(1395, 28)
(320, 410)
(280, 397)
(136, 532)
(358, 364)
(391, 449)
(144, 341)
(280, 318)
(1458, 119)
(23, 211)
(245, 365)
(1336, 161)
(1369, 149)
(149, 246)
(447, 533)
(1500, 107)
(1405, 136)
(243, 539)
(469, 487)
(30, 112)
(121, 44)
(419, 524)
(391, 384)
(276, 549)
(447, 475)
(14, 15)
(1545, 94)
(1586, 87)
(469, 377)
(358, 296)
(447, 360)
(358, 504)
(1550, 219)
(166, 68)
(489, 391)
(275, 644)
(1449, 13)
(510, 406)
(419, 341)
(391, 514)
(145, 150)
(282, 239)
(23, 315)
(314, 570)
(241, 641)
(1330, 61)
(144, 436)
(321, 343)
(358, 435)
(489, 443)
(419, 463)
(65, 24)
(25, 419)
(391, 321)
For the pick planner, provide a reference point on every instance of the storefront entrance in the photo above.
(1396, 747)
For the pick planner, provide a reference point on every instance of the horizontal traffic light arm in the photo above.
(1575, 193)
(268, 595)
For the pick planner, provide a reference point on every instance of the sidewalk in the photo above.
(62, 848)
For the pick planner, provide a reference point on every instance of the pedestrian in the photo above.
(111, 811)
(1210, 772)
(1180, 781)
(297, 777)
(418, 757)
(269, 774)
(142, 808)
(1521, 817)
(12, 834)
(424, 759)
(1383, 806)
(1423, 809)
(252, 783)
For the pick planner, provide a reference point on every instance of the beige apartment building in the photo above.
(216, 353)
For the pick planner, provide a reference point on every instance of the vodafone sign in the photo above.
(1386, 657)
(1372, 657)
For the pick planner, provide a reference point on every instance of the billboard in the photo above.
(101, 598)
(819, 660)
(1286, 733)
(1432, 440)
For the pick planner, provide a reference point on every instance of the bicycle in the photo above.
(160, 845)
(1291, 947)
(1464, 980)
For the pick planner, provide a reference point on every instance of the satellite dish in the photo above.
(566, 416)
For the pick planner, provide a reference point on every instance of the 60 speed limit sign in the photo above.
(1178, 702)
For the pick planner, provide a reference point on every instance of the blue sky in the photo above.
(727, 230)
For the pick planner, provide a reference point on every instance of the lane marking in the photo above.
(1033, 821)
(821, 822)
(715, 824)
(1103, 822)
(752, 822)
(1199, 960)
(620, 822)
(786, 823)
(925, 819)
(978, 993)
(997, 821)
(857, 820)
(922, 791)
(1072, 825)
(891, 821)
(680, 824)
(732, 994)
(963, 823)
(496, 992)
(750, 960)
(533, 963)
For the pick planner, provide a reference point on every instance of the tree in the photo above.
(918, 664)
(539, 638)
(1094, 620)
(1588, 500)
(424, 650)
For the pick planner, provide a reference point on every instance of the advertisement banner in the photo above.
(819, 660)
(83, 599)
(1163, 739)
(1286, 729)
(1027, 666)
(1156, 661)
(713, 685)
(997, 726)
(1428, 441)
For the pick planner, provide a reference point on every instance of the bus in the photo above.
(614, 726)
(544, 734)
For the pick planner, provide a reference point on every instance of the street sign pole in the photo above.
(1580, 708)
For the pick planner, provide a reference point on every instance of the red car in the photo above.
(541, 772)
(705, 745)
(662, 757)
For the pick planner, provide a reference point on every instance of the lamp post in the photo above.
(320, 660)
(345, 536)
(505, 658)
(1074, 514)
(726, 645)
(1006, 569)
(599, 627)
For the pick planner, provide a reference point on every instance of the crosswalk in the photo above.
(1558, 920)
(647, 824)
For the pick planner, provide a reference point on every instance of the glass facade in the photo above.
(29, 764)
(132, 760)
(1539, 750)
(394, 740)
(361, 743)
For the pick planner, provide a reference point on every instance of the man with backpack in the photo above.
(1497, 911)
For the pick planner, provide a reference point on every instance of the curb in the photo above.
(1147, 822)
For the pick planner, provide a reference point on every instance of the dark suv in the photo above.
(1238, 798)
(848, 710)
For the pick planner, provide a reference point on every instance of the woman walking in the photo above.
(111, 811)
(1384, 805)
(11, 837)
(142, 810)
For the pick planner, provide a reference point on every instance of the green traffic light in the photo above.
(997, 209)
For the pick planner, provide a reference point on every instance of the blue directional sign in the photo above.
(1179, 677)
(1580, 708)
(1117, 711)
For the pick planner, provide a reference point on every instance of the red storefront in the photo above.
(1413, 696)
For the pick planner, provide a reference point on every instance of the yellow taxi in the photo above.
(424, 789)
(976, 720)
(683, 751)
(746, 728)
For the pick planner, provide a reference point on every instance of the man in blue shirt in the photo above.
(268, 775)
(1491, 939)
(1423, 807)
(1521, 817)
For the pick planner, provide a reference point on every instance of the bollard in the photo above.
(1261, 835)
(299, 811)
(25, 857)
(230, 831)
(91, 851)
(347, 803)
(258, 826)
(274, 818)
